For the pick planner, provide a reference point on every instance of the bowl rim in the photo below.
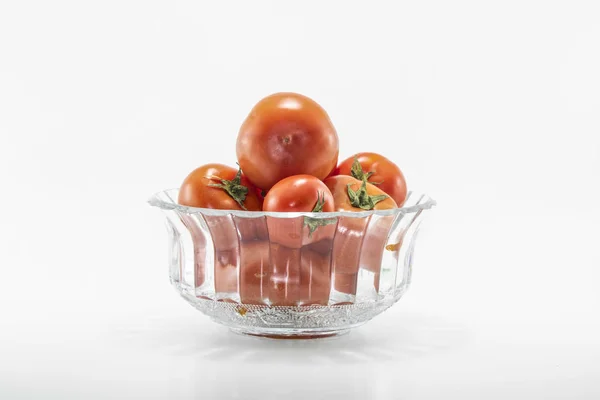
(156, 201)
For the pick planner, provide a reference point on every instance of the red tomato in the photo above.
(350, 194)
(358, 242)
(298, 277)
(255, 271)
(299, 193)
(280, 276)
(218, 186)
(286, 134)
(379, 171)
(261, 193)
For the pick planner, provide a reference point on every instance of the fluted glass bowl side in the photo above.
(265, 273)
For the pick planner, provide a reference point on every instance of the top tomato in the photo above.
(379, 171)
(286, 134)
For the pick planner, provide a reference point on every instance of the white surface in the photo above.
(492, 108)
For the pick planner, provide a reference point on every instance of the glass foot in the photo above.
(290, 334)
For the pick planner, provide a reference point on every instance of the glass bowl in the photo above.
(267, 274)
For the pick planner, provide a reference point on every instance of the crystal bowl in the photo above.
(267, 274)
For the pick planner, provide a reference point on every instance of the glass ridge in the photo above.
(165, 200)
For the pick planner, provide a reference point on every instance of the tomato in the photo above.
(279, 276)
(379, 171)
(298, 277)
(218, 186)
(286, 134)
(358, 242)
(255, 271)
(250, 229)
(350, 194)
(299, 193)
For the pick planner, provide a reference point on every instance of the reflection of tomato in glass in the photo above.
(298, 277)
(251, 228)
(353, 246)
(199, 244)
(373, 246)
(286, 134)
(379, 171)
(225, 239)
(255, 271)
(300, 246)
(273, 274)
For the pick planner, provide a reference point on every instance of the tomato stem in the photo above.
(234, 187)
(361, 199)
(357, 172)
(314, 223)
(320, 203)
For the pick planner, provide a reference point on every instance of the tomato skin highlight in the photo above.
(298, 193)
(286, 134)
(195, 191)
(338, 185)
(386, 175)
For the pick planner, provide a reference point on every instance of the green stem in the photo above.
(234, 187)
(361, 199)
(314, 223)
(357, 172)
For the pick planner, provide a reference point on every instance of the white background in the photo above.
(492, 108)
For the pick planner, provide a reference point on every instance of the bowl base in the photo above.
(290, 322)
(293, 335)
